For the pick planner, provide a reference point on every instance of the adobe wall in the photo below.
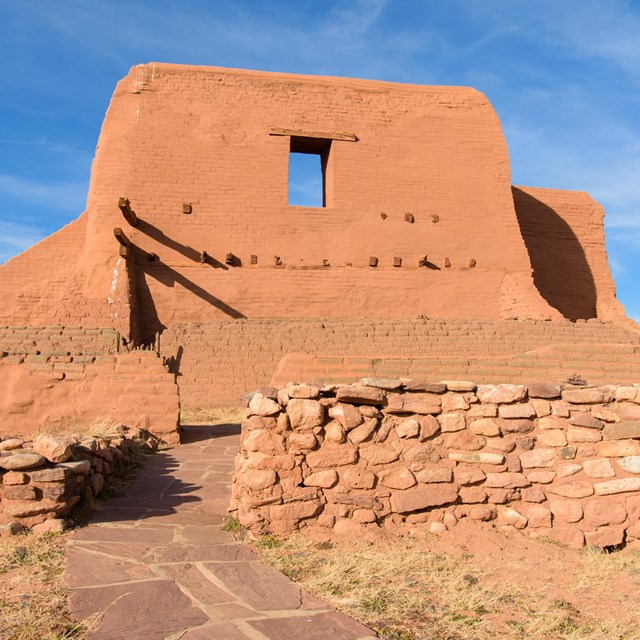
(201, 136)
(550, 460)
(75, 377)
(564, 235)
(216, 363)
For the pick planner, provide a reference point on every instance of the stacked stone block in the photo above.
(41, 481)
(560, 461)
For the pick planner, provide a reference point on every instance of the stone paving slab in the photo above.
(155, 565)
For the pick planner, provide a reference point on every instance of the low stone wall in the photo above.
(560, 461)
(42, 480)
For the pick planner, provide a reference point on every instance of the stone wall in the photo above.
(216, 363)
(561, 461)
(41, 481)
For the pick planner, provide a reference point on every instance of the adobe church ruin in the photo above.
(417, 264)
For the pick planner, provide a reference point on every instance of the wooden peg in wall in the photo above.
(121, 237)
(373, 261)
(123, 251)
(152, 257)
(128, 213)
(186, 207)
(397, 262)
(447, 262)
(423, 262)
(254, 259)
(325, 263)
(228, 259)
(472, 262)
(204, 256)
(277, 260)
(408, 217)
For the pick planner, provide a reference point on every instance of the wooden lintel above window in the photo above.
(300, 133)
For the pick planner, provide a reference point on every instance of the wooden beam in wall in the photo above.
(300, 133)
(128, 213)
(121, 237)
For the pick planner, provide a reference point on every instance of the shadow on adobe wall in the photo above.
(188, 252)
(560, 268)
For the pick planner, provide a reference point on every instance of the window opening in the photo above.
(308, 158)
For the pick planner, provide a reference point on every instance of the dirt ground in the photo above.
(470, 583)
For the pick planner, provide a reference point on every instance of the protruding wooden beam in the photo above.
(204, 256)
(186, 207)
(397, 261)
(423, 262)
(128, 213)
(301, 133)
(124, 251)
(121, 237)
(373, 261)
(228, 259)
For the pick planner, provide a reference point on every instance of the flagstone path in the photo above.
(155, 565)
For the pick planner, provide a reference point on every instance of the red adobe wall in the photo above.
(564, 234)
(200, 135)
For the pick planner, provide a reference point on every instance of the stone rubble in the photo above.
(43, 480)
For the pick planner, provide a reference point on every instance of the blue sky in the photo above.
(563, 75)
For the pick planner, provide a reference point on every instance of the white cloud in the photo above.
(69, 197)
(15, 237)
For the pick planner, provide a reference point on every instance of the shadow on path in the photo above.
(156, 565)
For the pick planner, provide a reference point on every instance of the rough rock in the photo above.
(379, 454)
(577, 489)
(358, 478)
(10, 444)
(21, 461)
(335, 432)
(622, 485)
(409, 428)
(552, 438)
(485, 427)
(587, 395)
(546, 390)
(459, 385)
(257, 480)
(332, 457)
(598, 468)
(305, 414)
(501, 393)
(619, 449)
(478, 458)
(630, 464)
(519, 410)
(347, 415)
(399, 478)
(363, 432)
(303, 391)
(324, 479)
(260, 405)
(452, 422)
(622, 430)
(434, 474)
(359, 394)
(52, 448)
(422, 497)
(387, 384)
(604, 511)
(566, 511)
(506, 480)
(538, 458)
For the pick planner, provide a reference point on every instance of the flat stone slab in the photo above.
(150, 610)
(322, 626)
(156, 564)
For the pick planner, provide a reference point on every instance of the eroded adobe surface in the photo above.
(420, 220)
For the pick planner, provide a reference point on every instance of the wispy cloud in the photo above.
(67, 197)
(15, 237)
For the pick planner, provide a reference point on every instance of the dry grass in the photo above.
(33, 597)
(406, 591)
(218, 415)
